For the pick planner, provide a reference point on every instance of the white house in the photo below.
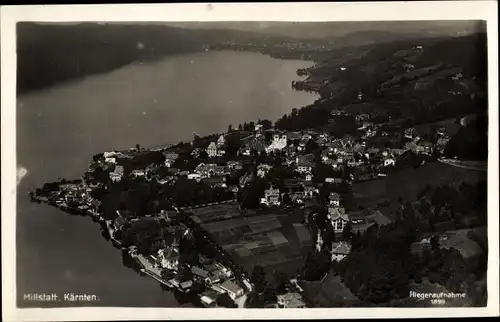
(168, 258)
(110, 160)
(278, 143)
(232, 289)
(389, 161)
(212, 149)
(308, 176)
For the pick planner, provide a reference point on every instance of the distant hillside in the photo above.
(49, 53)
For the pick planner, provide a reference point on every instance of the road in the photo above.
(241, 301)
(471, 165)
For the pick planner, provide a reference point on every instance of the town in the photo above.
(333, 205)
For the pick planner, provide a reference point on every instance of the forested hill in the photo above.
(419, 80)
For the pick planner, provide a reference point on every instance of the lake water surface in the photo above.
(60, 129)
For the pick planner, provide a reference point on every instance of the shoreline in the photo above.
(108, 233)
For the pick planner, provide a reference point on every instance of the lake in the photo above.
(59, 130)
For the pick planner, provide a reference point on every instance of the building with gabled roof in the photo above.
(338, 218)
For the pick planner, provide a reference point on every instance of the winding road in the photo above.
(471, 165)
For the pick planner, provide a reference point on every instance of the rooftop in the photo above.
(230, 286)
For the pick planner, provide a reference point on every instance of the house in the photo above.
(118, 223)
(389, 161)
(334, 199)
(199, 273)
(308, 177)
(424, 147)
(234, 165)
(117, 174)
(194, 176)
(138, 173)
(246, 178)
(334, 180)
(185, 286)
(410, 133)
(169, 258)
(208, 298)
(232, 289)
(360, 118)
(294, 136)
(271, 197)
(457, 76)
(340, 250)
(337, 112)
(279, 143)
(216, 181)
(258, 127)
(290, 300)
(441, 143)
(212, 150)
(310, 191)
(221, 141)
(338, 217)
(421, 86)
(263, 169)
(109, 154)
(306, 137)
(304, 163)
(170, 158)
(110, 160)
(408, 67)
(247, 284)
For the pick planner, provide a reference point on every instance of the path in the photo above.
(470, 165)
(241, 301)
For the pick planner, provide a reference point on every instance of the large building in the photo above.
(338, 218)
(278, 143)
(212, 150)
(271, 197)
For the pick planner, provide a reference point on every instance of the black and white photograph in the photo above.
(251, 164)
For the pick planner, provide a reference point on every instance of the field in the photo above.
(273, 240)
(408, 183)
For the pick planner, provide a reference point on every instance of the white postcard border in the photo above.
(366, 11)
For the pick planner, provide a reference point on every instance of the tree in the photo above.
(347, 232)
(229, 128)
(280, 282)
(434, 243)
(225, 300)
(137, 146)
(286, 199)
(258, 277)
